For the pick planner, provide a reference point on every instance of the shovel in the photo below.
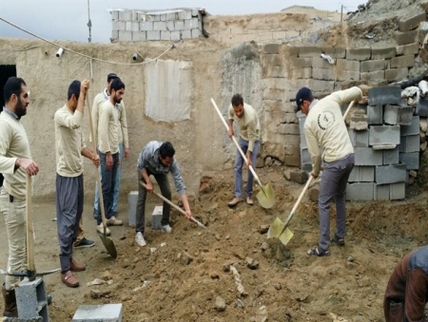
(108, 242)
(266, 197)
(31, 267)
(278, 229)
(175, 206)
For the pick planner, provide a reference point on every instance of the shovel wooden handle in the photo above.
(174, 205)
(30, 233)
(237, 145)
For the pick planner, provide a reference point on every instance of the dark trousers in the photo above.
(1, 180)
(162, 180)
(69, 209)
(108, 181)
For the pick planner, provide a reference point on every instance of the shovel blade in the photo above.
(286, 236)
(109, 245)
(266, 196)
(276, 228)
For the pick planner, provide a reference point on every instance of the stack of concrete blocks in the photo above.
(168, 25)
(386, 150)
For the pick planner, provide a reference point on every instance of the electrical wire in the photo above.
(84, 55)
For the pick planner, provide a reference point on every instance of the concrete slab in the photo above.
(98, 313)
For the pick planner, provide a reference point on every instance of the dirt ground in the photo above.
(181, 276)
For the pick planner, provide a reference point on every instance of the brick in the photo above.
(318, 62)
(146, 25)
(392, 173)
(385, 95)
(288, 129)
(373, 65)
(343, 64)
(335, 52)
(381, 192)
(373, 77)
(383, 53)
(323, 74)
(410, 49)
(411, 160)
(359, 138)
(358, 53)
(396, 74)
(401, 115)
(271, 49)
(139, 36)
(412, 22)
(360, 191)
(405, 38)
(362, 174)
(384, 134)
(422, 107)
(410, 143)
(300, 62)
(301, 73)
(153, 35)
(367, 156)
(412, 129)
(397, 191)
(309, 51)
(403, 61)
(391, 156)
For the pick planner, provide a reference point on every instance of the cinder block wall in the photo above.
(140, 25)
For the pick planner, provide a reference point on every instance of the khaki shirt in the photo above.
(249, 125)
(108, 139)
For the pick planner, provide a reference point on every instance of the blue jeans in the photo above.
(108, 179)
(239, 162)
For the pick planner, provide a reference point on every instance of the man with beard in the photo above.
(15, 164)
(70, 148)
(108, 149)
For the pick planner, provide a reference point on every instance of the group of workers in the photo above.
(407, 290)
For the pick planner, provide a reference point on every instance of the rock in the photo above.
(185, 258)
(314, 193)
(107, 276)
(217, 236)
(423, 125)
(268, 161)
(259, 162)
(299, 176)
(96, 294)
(220, 304)
(214, 276)
(263, 229)
(262, 315)
(287, 174)
(239, 304)
(301, 296)
(226, 267)
(423, 146)
(413, 173)
(150, 277)
(350, 259)
(265, 246)
(252, 263)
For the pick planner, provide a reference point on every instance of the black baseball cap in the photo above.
(304, 94)
(111, 76)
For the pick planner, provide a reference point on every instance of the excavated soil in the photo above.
(181, 276)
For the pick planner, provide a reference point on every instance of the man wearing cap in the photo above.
(325, 128)
(249, 141)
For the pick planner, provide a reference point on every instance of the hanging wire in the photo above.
(84, 55)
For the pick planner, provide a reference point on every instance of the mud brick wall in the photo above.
(139, 25)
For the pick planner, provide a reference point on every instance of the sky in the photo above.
(67, 19)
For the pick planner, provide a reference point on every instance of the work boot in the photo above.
(10, 308)
(76, 267)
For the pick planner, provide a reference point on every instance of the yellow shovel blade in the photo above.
(286, 236)
(266, 196)
(276, 228)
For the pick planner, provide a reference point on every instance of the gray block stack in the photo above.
(141, 25)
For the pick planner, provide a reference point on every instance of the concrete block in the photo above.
(292, 160)
(139, 36)
(99, 313)
(373, 77)
(166, 35)
(385, 95)
(318, 62)
(146, 25)
(375, 114)
(344, 64)
(157, 218)
(170, 26)
(405, 38)
(360, 191)
(301, 73)
(362, 174)
(422, 32)
(410, 143)
(300, 62)
(358, 53)
(186, 34)
(396, 74)
(305, 157)
(196, 33)
(288, 129)
(153, 35)
(271, 49)
(31, 300)
(125, 15)
(410, 49)
(115, 34)
(335, 52)
(411, 22)
(383, 53)
(359, 138)
(347, 75)
(397, 191)
(171, 16)
(135, 26)
(175, 35)
(114, 15)
(367, 156)
(179, 25)
(118, 25)
(323, 74)
(384, 135)
(358, 122)
(401, 115)
(403, 61)
(373, 65)
(391, 156)
(132, 207)
(424, 5)
(309, 51)
(159, 25)
(125, 36)
(422, 107)
(381, 192)
(411, 160)
(195, 13)
(413, 128)
(184, 14)
(392, 173)
(135, 15)
(321, 86)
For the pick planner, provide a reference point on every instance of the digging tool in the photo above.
(175, 206)
(31, 267)
(266, 197)
(278, 229)
(108, 242)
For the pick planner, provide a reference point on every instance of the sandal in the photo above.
(338, 241)
(315, 251)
